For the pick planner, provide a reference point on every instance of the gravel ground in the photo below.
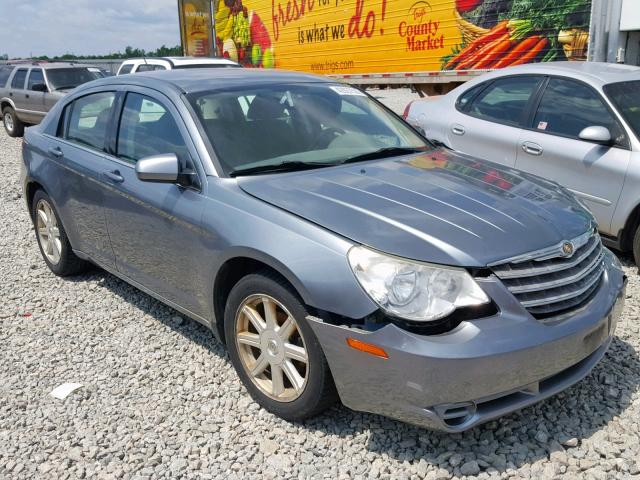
(160, 398)
(394, 98)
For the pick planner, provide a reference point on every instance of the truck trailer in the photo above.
(431, 44)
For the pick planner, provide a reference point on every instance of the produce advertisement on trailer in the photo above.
(378, 36)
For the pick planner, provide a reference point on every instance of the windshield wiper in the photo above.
(288, 166)
(65, 87)
(385, 152)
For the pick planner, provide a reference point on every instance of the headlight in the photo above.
(411, 290)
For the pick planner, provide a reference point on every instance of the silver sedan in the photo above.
(576, 123)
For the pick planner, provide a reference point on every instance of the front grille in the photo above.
(548, 283)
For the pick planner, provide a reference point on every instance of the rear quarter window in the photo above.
(125, 69)
(5, 73)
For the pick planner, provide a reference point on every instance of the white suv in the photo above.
(135, 65)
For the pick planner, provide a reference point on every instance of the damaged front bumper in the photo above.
(481, 370)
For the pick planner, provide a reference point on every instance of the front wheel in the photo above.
(274, 350)
(636, 246)
(12, 124)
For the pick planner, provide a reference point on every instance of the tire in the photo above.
(317, 392)
(12, 124)
(54, 245)
(636, 246)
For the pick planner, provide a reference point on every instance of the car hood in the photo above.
(440, 207)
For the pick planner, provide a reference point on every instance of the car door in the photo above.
(488, 118)
(35, 99)
(551, 146)
(155, 228)
(78, 152)
(19, 95)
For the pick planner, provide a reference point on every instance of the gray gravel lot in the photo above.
(160, 398)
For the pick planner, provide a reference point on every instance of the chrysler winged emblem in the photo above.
(567, 249)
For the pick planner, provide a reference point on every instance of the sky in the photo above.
(56, 27)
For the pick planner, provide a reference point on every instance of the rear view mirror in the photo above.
(158, 168)
(596, 134)
(39, 87)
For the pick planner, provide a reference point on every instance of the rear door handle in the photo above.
(114, 176)
(532, 148)
(457, 129)
(26, 95)
(56, 152)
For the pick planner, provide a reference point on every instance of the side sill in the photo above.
(207, 323)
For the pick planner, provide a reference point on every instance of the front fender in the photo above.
(311, 258)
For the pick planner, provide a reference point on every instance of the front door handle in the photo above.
(457, 129)
(532, 148)
(114, 176)
(56, 152)
(26, 95)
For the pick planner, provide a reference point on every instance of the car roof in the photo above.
(595, 73)
(197, 80)
(180, 61)
(48, 65)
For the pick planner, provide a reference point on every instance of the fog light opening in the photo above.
(456, 414)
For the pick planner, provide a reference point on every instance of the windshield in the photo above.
(299, 125)
(68, 78)
(626, 97)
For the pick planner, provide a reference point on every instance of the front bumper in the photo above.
(481, 370)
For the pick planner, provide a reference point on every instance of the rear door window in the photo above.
(88, 119)
(505, 100)
(466, 97)
(35, 76)
(567, 107)
(19, 78)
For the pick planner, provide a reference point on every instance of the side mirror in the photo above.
(39, 87)
(596, 134)
(158, 168)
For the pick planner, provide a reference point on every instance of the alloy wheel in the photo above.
(271, 348)
(8, 121)
(48, 231)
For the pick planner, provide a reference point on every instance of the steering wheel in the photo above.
(326, 137)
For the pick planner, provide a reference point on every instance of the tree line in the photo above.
(129, 52)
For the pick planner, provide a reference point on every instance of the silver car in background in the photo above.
(576, 123)
(29, 90)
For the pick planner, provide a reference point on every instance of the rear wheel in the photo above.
(12, 124)
(52, 239)
(274, 350)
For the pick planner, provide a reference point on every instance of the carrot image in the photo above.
(493, 54)
(479, 54)
(518, 50)
(496, 32)
(531, 54)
